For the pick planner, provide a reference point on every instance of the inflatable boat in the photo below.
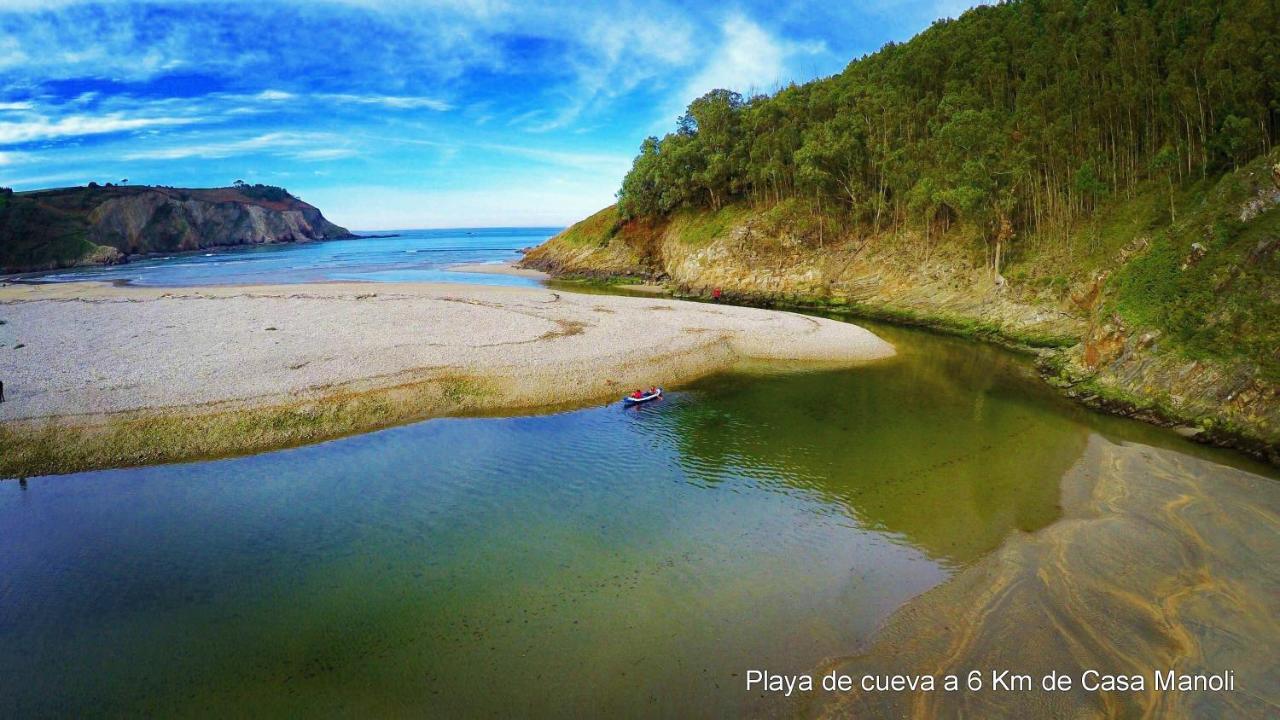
(628, 400)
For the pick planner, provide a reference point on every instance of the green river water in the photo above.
(599, 562)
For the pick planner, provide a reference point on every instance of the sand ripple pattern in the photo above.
(1162, 562)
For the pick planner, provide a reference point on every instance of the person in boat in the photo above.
(653, 390)
(637, 394)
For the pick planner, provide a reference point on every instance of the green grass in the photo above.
(33, 235)
(595, 231)
(1056, 258)
(1018, 339)
(572, 281)
(1102, 239)
(147, 439)
(699, 228)
(1224, 306)
(965, 326)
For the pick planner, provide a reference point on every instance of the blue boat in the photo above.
(628, 400)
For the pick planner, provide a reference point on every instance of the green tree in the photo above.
(1014, 117)
(1165, 162)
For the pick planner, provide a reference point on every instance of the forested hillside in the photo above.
(1013, 119)
(1101, 178)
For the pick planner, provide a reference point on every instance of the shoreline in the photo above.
(1056, 368)
(498, 268)
(33, 276)
(121, 376)
(1050, 350)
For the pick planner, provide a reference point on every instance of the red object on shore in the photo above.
(715, 294)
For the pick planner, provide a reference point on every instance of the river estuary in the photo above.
(597, 562)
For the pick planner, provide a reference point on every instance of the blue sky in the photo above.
(392, 113)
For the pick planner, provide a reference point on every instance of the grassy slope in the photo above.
(36, 235)
(1223, 306)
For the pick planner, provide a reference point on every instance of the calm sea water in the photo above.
(413, 256)
(604, 562)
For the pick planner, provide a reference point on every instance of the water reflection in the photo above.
(949, 446)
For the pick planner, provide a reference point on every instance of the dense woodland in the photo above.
(1012, 118)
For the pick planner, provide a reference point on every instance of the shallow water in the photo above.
(597, 562)
(411, 256)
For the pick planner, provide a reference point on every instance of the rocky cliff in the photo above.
(86, 225)
(1174, 321)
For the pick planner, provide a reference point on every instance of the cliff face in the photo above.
(73, 226)
(1171, 321)
(739, 252)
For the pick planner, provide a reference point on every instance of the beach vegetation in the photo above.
(147, 438)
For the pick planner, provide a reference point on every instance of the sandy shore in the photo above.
(96, 355)
(498, 269)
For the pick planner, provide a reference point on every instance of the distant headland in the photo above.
(108, 224)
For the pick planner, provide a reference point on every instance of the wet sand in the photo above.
(1161, 562)
(498, 269)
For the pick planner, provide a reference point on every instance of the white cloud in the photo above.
(395, 102)
(612, 55)
(123, 40)
(601, 52)
(43, 128)
(928, 10)
(470, 78)
(11, 160)
(612, 163)
(389, 101)
(528, 200)
(51, 180)
(323, 154)
(285, 144)
(748, 58)
(274, 96)
(210, 151)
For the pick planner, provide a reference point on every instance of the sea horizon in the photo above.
(407, 255)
